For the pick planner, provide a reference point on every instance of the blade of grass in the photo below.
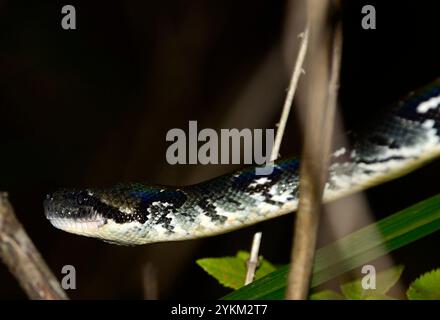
(354, 250)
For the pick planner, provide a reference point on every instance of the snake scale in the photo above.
(406, 136)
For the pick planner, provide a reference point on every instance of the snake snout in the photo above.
(72, 211)
(62, 204)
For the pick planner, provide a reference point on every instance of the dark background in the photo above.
(91, 107)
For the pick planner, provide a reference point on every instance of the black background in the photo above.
(91, 107)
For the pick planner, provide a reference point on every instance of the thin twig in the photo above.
(149, 279)
(320, 109)
(22, 258)
(298, 69)
(252, 263)
(333, 88)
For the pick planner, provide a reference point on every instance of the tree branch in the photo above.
(320, 105)
(22, 258)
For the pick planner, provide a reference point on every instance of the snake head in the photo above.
(105, 214)
(75, 212)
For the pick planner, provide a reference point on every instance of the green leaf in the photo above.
(384, 281)
(354, 250)
(231, 271)
(326, 295)
(353, 290)
(427, 287)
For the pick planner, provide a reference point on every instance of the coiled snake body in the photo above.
(404, 138)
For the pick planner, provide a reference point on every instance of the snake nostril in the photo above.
(81, 198)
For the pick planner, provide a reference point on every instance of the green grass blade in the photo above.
(354, 250)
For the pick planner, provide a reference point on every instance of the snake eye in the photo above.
(82, 198)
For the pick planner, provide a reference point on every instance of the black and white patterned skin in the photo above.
(404, 138)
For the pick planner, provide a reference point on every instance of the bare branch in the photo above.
(298, 69)
(322, 86)
(22, 258)
(252, 263)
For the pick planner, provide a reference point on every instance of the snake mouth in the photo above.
(77, 226)
(64, 212)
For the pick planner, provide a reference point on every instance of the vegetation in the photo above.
(341, 256)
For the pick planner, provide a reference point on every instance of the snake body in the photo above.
(403, 138)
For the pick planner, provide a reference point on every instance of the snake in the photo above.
(399, 140)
